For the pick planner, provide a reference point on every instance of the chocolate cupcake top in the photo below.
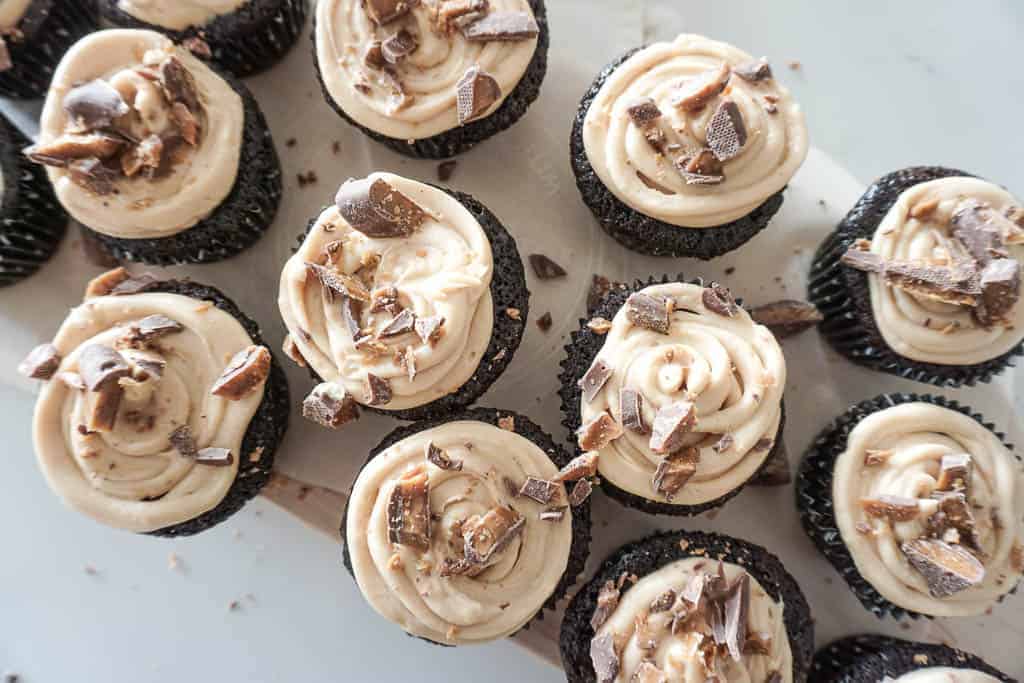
(694, 132)
(691, 620)
(684, 400)
(944, 269)
(928, 502)
(389, 295)
(148, 398)
(178, 14)
(459, 533)
(412, 69)
(945, 674)
(140, 138)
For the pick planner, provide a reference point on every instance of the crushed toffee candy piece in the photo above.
(598, 433)
(147, 154)
(103, 417)
(975, 226)
(757, 70)
(373, 56)
(507, 422)
(246, 370)
(544, 322)
(607, 601)
(451, 14)
(954, 521)
(955, 473)
(502, 26)
(153, 327)
(384, 299)
(599, 325)
(702, 168)
(41, 362)
(104, 283)
(787, 317)
(552, 514)
(724, 443)
(350, 316)
(385, 11)
(1000, 290)
(718, 299)
(484, 537)
(674, 471)
(427, 329)
(737, 608)
(398, 46)
(893, 508)
(76, 146)
(580, 492)
(671, 425)
(594, 379)
(182, 440)
(186, 122)
(663, 602)
(339, 283)
(545, 268)
(93, 175)
(329, 405)
(376, 209)
(446, 169)
(726, 133)
(178, 84)
(580, 467)
(438, 457)
(652, 313)
(94, 104)
(605, 658)
(401, 324)
(540, 490)
(653, 184)
(133, 284)
(378, 390)
(409, 510)
(948, 569)
(631, 411)
(643, 111)
(476, 92)
(101, 366)
(951, 285)
(696, 92)
(215, 457)
(857, 256)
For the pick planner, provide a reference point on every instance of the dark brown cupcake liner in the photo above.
(646, 556)
(843, 295)
(814, 493)
(461, 139)
(523, 426)
(644, 234)
(873, 658)
(584, 345)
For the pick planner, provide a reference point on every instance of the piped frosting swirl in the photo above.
(179, 14)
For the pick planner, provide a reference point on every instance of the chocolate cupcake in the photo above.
(684, 148)
(406, 298)
(688, 606)
(31, 221)
(463, 529)
(34, 35)
(680, 393)
(871, 658)
(243, 37)
(431, 80)
(916, 501)
(160, 409)
(922, 278)
(166, 161)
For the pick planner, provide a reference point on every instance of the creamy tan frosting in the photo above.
(676, 654)
(404, 584)
(11, 12)
(429, 75)
(918, 435)
(178, 14)
(731, 368)
(195, 186)
(443, 269)
(930, 331)
(945, 674)
(131, 478)
(776, 145)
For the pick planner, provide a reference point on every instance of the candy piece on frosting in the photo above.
(152, 327)
(699, 90)
(540, 490)
(246, 370)
(1000, 290)
(502, 26)
(94, 104)
(671, 425)
(378, 390)
(787, 317)
(376, 209)
(409, 510)
(428, 328)
(718, 299)
(476, 91)
(178, 84)
(398, 46)
(701, 168)
(329, 405)
(607, 601)
(400, 324)
(72, 380)
(605, 658)
(215, 457)
(726, 132)
(631, 412)
(674, 471)
(148, 154)
(580, 492)
(339, 283)
(643, 111)
(386, 11)
(439, 458)
(948, 569)
(41, 362)
(103, 417)
(579, 467)
(976, 226)
(757, 70)
(599, 432)
(652, 313)
(486, 536)
(74, 146)
(594, 379)
(737, 608)
(101, 366)
(955, 472)
(452, 13)
(893, 508)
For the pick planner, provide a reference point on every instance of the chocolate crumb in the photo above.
(544, 322)
(545, 268)
(787, 317)
(446, 169)
(41, 363)
(580, 492)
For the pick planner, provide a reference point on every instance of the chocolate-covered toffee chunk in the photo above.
(409, 511)
(671, 425)
(215, 457)
(101, 366)
(788, 317)
(599, 432)
(545, 268)
(948, 569)
(246, 370)
(726, 131)
(501, 26)
(376, 209)
(540, 490)
(674, 471)
(94, 104)
(487, 535)
(652, 313)
(329, 405)
(378, 390)
(758, 70)
(595, 378)
(440, 459)
(580, 467)
(718, 299)
(631, 404)
(476, 92)
(41, 362)
(694, 93)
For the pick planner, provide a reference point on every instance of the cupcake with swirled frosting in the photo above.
(874, 658)
(160, 409)
(688, 606)
(461, 530)
(34, 35)
(679, 391)
(916, 502)
(431, 78)
(683, 148)
(243, 37)
(404, 298)
(922, 278)
(160, 157)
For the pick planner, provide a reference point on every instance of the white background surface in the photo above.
(884, 85)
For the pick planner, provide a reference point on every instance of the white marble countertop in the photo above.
(884, 85)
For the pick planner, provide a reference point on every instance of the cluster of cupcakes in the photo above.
(161, 407)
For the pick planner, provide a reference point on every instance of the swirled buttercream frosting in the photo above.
(179, 14)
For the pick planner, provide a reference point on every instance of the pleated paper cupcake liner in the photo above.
(48, 29)
(872, 658)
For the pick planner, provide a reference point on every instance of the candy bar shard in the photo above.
(948, 569)
(350, 316)
(94, 104)
(101, 366)
(861, 259)
(580, 467)
(246, 370)
(215, 457)
(373, 55)
(671, 425)
(598, 433)
(975, 226)
(502, 26)
(428, 329)
(955, 473)
(378, 390)
(154, 327)
(605, 658)
(385, 11)
(674, 471)
(649, 312)
(178, 84)
(186, 122)
(476, 91)
(718, 299)
(580, 492)
(737, 608)
(726, 133)
(409, 510)
(545, 268)
(552, 514)
(631, 411)
(607, 601)
(41, 362)
(70, 147)
(384, 299)
(329, 405)
(1000, 291)
(401, 324)
(951, 285)
(701, 168)
(696, 92)
(93, 175)
(643, 112)
(182, 440)
(439, 458)
(147, 154)
(339, 283)
(594, 379)
(540, 490)
(787, 317)
(757, 70)
(376, 209)
(663, 602)
(484, 537)
(103, 417)
(954, 521)
(724, 443)
(893, 508)
(398, 46)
